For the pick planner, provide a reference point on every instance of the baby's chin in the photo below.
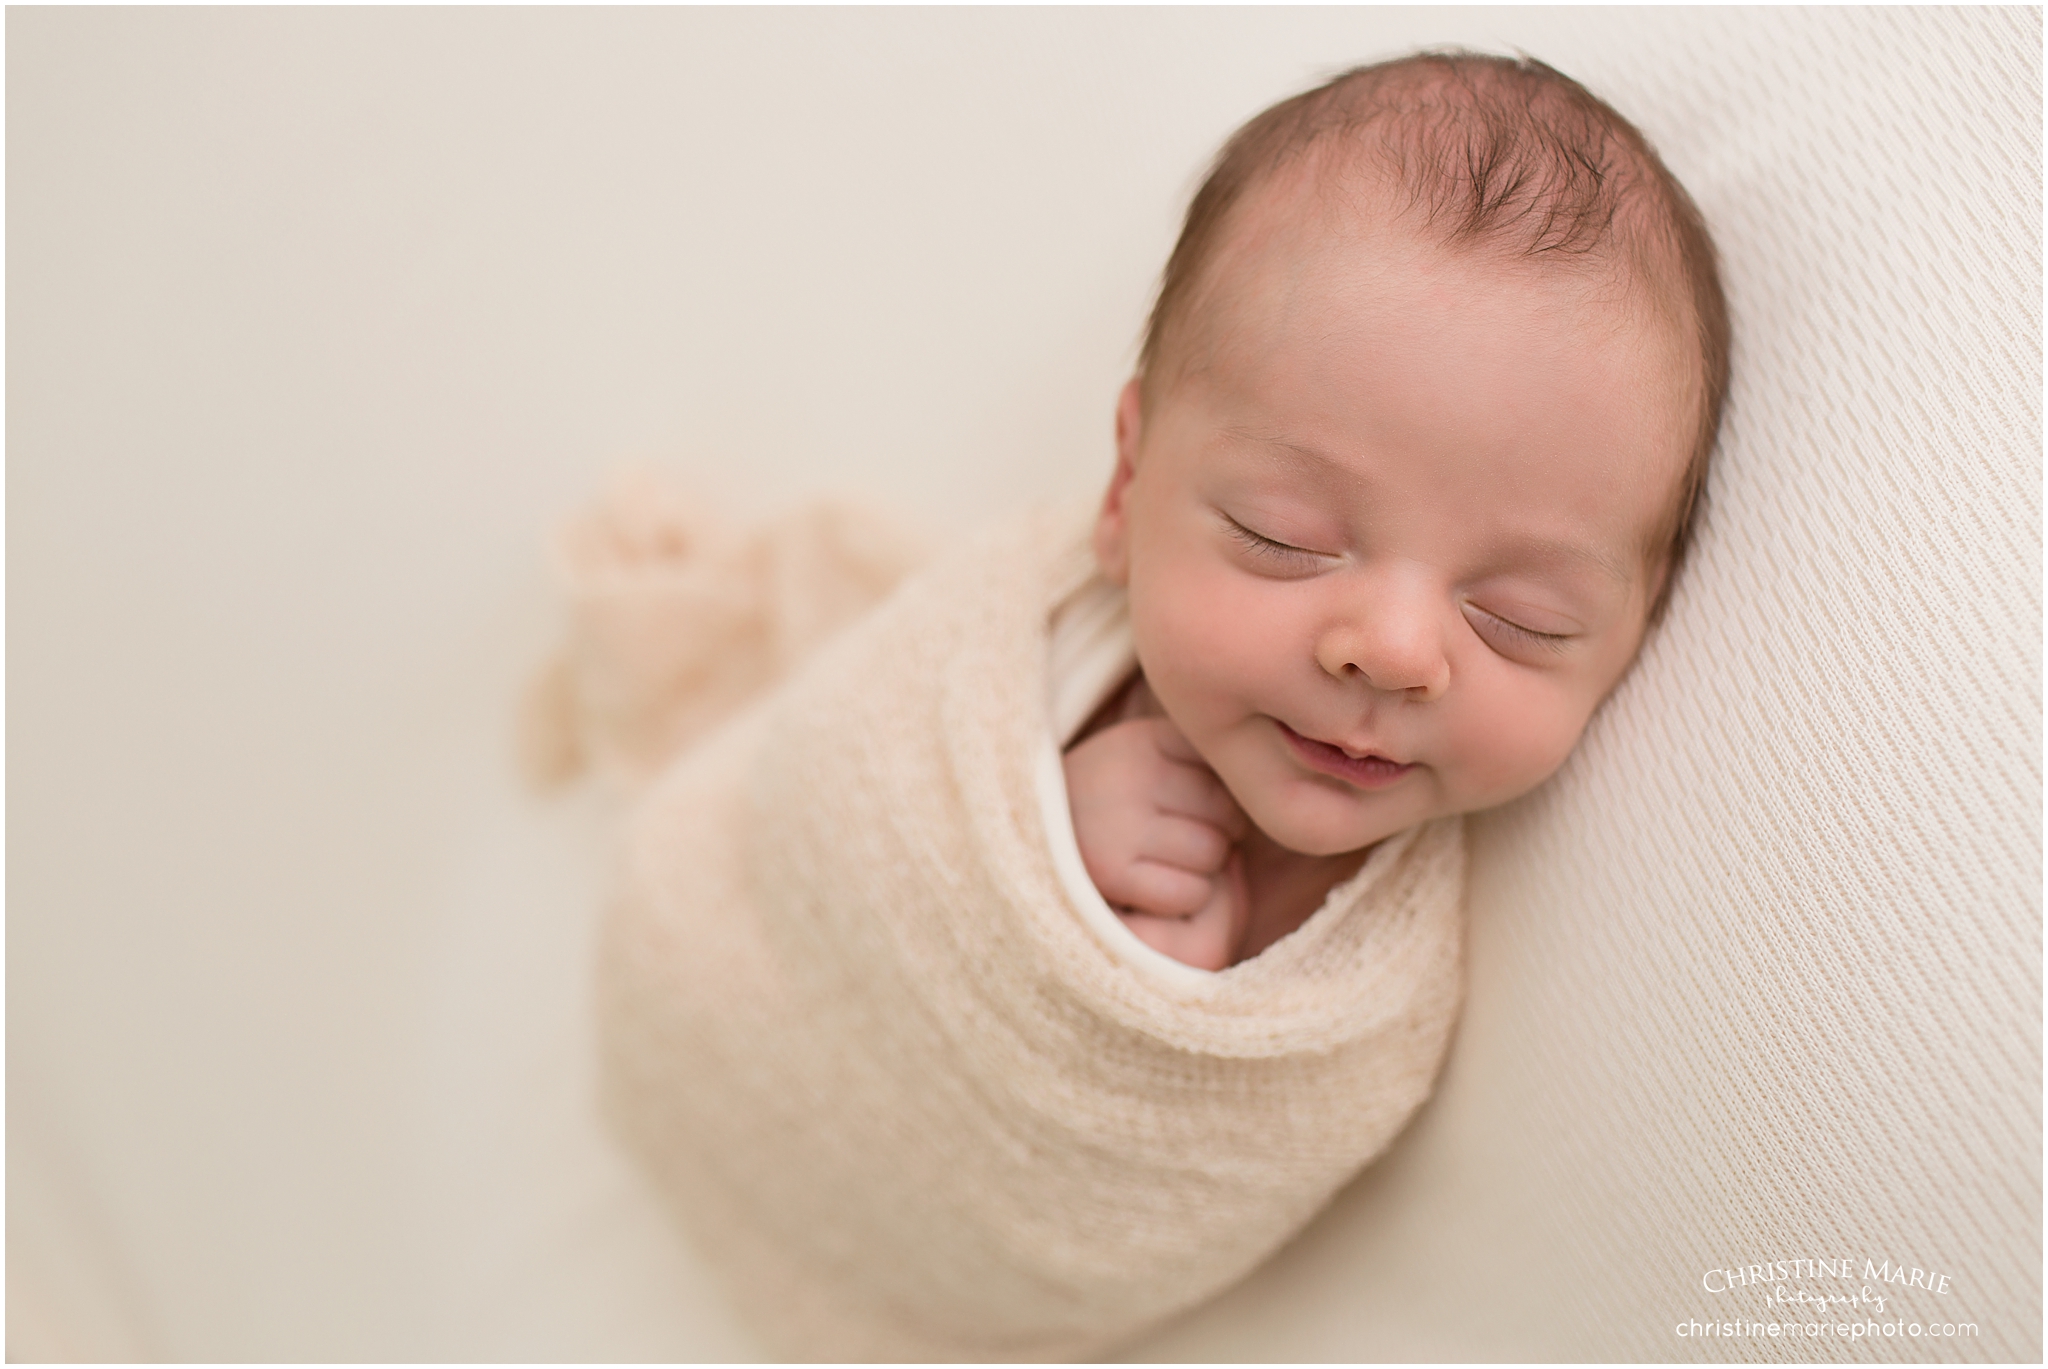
(1309, 818)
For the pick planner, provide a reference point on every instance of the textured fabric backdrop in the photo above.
(1757, 978)
(318, 320)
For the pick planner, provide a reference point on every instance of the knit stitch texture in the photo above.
(904, 1101)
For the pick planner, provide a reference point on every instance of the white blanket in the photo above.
(905, 1100)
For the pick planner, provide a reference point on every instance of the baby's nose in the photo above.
(1392, 643)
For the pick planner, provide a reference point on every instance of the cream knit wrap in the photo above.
(900, 1096)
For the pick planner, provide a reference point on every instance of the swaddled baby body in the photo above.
(1411, 457)
(1403, 477)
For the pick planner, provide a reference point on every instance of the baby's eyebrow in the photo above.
(1267, 439)
(1550, 549)
(1294, 453)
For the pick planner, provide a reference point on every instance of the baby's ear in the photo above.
(1112, 525)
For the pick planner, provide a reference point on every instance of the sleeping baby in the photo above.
(1419, 426)
(1013, 957)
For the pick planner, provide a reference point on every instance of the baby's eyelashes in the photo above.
(1281, 555)
(1511, 637)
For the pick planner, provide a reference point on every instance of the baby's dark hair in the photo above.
(1499, 154)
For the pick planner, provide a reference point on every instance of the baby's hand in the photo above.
(1158, 833)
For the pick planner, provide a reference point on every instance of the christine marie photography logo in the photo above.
(1841, 1299)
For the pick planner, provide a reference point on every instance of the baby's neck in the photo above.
(1286, 887)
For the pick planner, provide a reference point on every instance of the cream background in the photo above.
(318, 320)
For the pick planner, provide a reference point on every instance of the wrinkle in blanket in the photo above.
(903, 1100)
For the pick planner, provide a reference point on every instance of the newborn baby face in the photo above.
(1387, 519)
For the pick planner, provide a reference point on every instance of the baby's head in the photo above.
(1412, 455)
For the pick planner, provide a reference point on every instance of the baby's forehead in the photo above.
(1311, 235)
(1525, 175)
(1303, 242)
(1358, 339)
(1505, 162)
(1357, 195)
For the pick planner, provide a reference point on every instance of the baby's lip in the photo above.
(1364, 768)
(1353, 752)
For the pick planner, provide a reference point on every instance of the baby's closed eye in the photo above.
(1506, 635)
(1271, 552)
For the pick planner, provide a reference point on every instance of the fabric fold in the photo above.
(899, 1094)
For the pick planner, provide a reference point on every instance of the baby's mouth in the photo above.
(1365, 772)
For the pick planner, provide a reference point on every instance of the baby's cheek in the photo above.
(1178, 669)
(1190, 644)
(1512, 749)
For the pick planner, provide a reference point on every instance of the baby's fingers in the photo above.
(1193, 791)
(1185, 843)
(1211, 937)
(1162, 890)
